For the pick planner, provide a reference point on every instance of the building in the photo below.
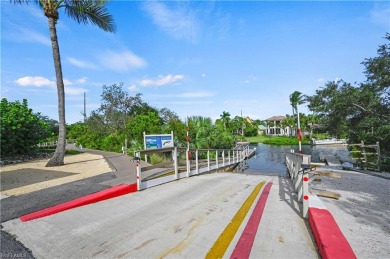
(275, 128)
(261, 129)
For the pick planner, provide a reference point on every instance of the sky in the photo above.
(196, 58)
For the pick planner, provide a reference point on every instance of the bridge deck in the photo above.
(182, 219)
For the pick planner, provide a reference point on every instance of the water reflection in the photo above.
(270, 159)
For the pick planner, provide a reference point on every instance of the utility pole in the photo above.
(85, 108)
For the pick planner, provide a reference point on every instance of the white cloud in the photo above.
(133, 88)
(121, 61)
(203, 75)
(81, 64)
(39, 81)
(67, 82)
(321, 80)
(250, 79)
(82, 80)
(74, 90)
(180, 23)
(161, 80)
(36, 81)
(32, 36)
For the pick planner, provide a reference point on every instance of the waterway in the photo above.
(270, 159)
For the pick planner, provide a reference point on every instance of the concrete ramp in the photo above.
(181, 219)
(332, 160)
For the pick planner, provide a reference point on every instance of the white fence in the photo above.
(185, 163)
(298, 166)
(52, 144)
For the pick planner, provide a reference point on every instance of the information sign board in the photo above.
(158, 141)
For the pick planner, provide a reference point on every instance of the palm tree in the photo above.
(83, 11)
(225, 117)
(297, 98)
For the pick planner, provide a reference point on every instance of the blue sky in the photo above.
(195, 58)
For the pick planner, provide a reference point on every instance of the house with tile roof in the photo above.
(275, 128)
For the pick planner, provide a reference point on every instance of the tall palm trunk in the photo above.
(58, 158)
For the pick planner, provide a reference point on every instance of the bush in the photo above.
(282, 141)
(21, 129)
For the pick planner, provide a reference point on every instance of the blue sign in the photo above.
(158, 141)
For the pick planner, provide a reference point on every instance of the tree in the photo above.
(296, 98)
(236, 125)
(171, 122)
(333, 103)
(377, 70)
(83, 11)
(167, 115)
(149, 123)
(21, 129)
(116, 106)
(225, 117)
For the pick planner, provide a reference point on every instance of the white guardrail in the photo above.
(197, 161)
(298, 166)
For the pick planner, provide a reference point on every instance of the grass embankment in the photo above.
(275, 140)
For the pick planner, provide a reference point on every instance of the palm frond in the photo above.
(93, 11)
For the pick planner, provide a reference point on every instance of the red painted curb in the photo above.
(88, 199)
(329, 238)
(244, 245)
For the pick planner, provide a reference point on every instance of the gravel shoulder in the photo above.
(362, 212)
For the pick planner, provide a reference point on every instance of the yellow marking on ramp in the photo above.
(223, 241)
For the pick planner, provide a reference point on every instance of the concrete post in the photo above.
(223, 158)
(188, 154)
(216, 158)
(305, 194)
(208, 160)
(138, 166)
(197, 161)
(175, 163)
(229, 156)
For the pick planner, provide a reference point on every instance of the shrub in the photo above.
(21, 129)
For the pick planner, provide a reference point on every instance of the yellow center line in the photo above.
(223, 241)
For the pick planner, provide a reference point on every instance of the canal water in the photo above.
(270, 159)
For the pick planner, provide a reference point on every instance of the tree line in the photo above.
(121, 116)
(360, 111)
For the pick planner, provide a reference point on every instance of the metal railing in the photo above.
(182, 163)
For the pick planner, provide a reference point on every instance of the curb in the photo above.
(88, 199)
(330, 240)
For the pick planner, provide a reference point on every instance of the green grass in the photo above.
(72, 152)
(277, 140)
(257, 139)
